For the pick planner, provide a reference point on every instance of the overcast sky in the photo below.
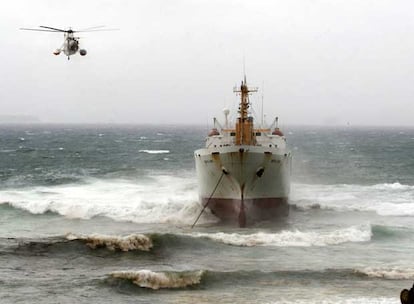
(320, 62)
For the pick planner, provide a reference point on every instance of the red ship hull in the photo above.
(249, 210)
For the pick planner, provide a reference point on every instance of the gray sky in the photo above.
(324, 62)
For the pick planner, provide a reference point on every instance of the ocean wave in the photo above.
(361, 233)
(181, 279)
(154, 151)
(44, 176)
(393, 186)
(390, 273)
(157, 280)
(381, 232)
(174, 200)
(122, 243)
(392, 199)
(160, 199)
(78, 244)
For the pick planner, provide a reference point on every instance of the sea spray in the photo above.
(387, 199)
(159, 199)
(122, 243)
(157, 280)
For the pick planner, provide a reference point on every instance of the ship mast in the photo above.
(244, 125)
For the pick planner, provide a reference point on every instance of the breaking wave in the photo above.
(122, 243)
(181, 279)
(161, 199)
(78, 244)
(390, 273)
(385, 199)
(157, 280)
(295, 238)
(174, 200)
(73, 243)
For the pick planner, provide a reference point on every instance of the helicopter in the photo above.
(70, 44)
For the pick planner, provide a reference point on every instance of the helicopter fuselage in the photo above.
(70, 45)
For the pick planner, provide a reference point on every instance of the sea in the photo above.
(103, 214)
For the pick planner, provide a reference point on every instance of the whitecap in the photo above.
(156, 280)
(154, 151)
(296, 238)
(391, 273)
(162, 199)
(389, 199)
(123, 243)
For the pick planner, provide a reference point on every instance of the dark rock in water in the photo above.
(407, 296)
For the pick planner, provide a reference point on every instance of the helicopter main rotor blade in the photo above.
(37, 30)
(99, 30)
(91, 28)
(53, 28)
(57, 30)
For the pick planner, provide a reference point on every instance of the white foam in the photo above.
(391, 272)
(154, 151)
(162, 199)
(294, 238)
(329, 299)
(123, 243)
(157, 280)
(385, 199)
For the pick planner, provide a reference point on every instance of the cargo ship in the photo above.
(244, 170)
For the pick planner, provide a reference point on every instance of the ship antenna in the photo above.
(262, 104)
(244, 68)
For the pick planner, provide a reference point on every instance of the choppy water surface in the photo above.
(103, 214)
